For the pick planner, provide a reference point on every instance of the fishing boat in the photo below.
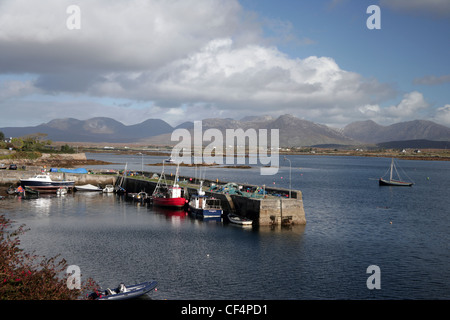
(44, 184)
(124, 292)
(203, 206)
(166, 195)
(88, 187)
(234, 218)
(392, 181)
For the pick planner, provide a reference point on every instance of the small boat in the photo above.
(391, 181)
(124, 292)
(234, 218)
(140, 196)
(203, 206)
(88, 187)
(169, 160)
(166, 195)
(43, 183)
(109, 188)
(61, 191)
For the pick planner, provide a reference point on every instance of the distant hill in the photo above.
(293, 131)
(99, 129)
(371, 132)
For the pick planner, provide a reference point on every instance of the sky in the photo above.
(188, 60)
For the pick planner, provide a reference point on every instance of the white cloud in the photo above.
(114, 35)
(409, 108)
(225, 75)
(410, 105)
(442, 115)
(188, 59)
(10, 89)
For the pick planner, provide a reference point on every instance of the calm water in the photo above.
(352, 223)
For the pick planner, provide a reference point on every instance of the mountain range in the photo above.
(293, 131)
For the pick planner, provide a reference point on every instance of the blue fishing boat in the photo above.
(204, 206)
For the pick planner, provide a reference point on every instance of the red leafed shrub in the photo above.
(29, 277)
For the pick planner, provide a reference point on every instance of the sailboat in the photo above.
(391, 181)
(168, 195)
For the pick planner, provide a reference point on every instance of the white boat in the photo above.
(169, 160)
(234, 218)
(88, 187)
(61, 191)
(109, 188)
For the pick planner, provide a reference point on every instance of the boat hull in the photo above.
(383, 182)
(206, 213)
(88, 188)
(169, 202)
(47, 187)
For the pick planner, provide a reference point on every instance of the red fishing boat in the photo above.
(166, 195)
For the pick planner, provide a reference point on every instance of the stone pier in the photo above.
(263, 210)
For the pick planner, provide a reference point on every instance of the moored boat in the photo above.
(88, 187)
(169, 160)
(44, 184)
(203, 206)
(393, 182)
(166, 195)
(140, 196)
(61, 191)
(243, 221)
(109, 188)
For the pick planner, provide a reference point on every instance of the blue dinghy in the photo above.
(125, 292)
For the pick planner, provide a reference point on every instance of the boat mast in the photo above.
(392, 165)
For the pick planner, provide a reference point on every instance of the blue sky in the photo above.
(194, 59)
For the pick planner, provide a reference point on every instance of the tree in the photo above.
(17, 143)
(2, 136)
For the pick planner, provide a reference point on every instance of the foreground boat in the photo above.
(234, 218)
(166, 195)
(44, 184)
(125, 292)
(391, 181)
(203, 206)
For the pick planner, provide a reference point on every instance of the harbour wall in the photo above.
(268, 210)
(264, 210)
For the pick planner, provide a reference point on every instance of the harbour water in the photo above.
(352, 223)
